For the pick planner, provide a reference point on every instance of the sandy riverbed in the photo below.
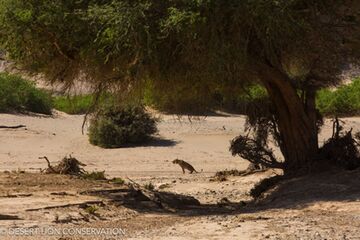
(204, 143)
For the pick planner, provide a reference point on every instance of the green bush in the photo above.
(149, 186)
(118, 181)
(115, 127)
(92, 209)
(240, 103)
(343, 101)
(18, 94)
(79, 104)
(73, 104)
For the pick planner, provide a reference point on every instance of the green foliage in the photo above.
(92, 209)
(199, 46)
(344, 100)
(164, 186)
(80, 104)
(149, 186)
(28, 33)
(119, 126)
(118, 180)
(242, 102)
(94, 175)
(18, 94)
(191, 50)
(73, 104)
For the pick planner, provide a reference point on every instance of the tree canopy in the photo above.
(194, 47)
(205, 42)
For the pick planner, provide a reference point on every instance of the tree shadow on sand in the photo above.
(297, 193)
(153, 142)
(161, 142)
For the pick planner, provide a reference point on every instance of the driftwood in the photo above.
(105, 192)
(147, 193)
(68, 165)
(82, 204)
(16, 195)
(12, 127)
(140, 198)
(166, 200)
(251, 169)
(9, 217)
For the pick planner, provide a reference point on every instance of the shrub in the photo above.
(73, 104)
(118, 180)
(343, 101)
(243, 103)
(80, 104)
(149, 186)
(18, 94)
(92, 209)
(115, 127)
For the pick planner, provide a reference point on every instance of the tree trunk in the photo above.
(310, 108)
(296, 121)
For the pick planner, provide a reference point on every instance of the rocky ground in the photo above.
(324, 206)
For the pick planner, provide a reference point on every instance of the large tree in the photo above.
(291, 47)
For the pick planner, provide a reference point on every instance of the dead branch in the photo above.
(255, 152)
(337, 128)
(147, 193)
(13, 127)
(168, 201)
(16, 195)
(104, 191)
(50, 168)
(342, 148)
(251, 169)
(68, 166)
(82, 204)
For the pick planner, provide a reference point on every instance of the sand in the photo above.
(203, 142)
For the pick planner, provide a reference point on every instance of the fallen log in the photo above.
(9, 217)
(147, 193)
(13, 127)
(166, 200)
(82, 204)
(16, 195)
(102, 192)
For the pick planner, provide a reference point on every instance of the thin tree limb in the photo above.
(13, 127)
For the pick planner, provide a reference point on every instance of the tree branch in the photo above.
(13, 127)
